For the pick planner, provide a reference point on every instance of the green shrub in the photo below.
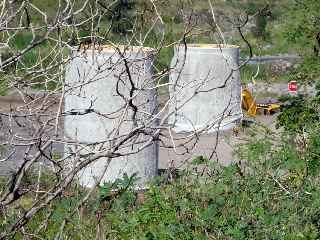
(271, 197)
(302, 24)
(3, 86)
(299, 115)
(307, 72)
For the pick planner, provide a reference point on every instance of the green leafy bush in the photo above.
(270, 197)
(302, 24)
(299, 115)
(307, 72)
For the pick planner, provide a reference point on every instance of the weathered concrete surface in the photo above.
(99, 81)
(205, 87)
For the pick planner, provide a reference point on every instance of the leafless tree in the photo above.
(36, 49)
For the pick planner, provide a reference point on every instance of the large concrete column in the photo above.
(205, 87)
(99, 86)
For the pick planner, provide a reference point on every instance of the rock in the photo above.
(281, 67)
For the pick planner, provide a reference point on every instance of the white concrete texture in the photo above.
(205, 87)
(99, 80)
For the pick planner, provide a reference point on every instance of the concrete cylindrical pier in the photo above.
(205, 87)
(100, 104)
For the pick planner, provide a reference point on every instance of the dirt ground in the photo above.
(13, 131)
(217, 146)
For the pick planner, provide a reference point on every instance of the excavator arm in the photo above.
(250, 105)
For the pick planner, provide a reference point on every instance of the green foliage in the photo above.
(264, 73)
(3, 87)
(298, 115)
(120, 185)
(122, 16)
(313, 153)
(308, 71)
(229, 205)
(200, 160)
(261, 20)
(249, 71)
(273, 195)
(251, 8)
(302, 24)
(20, 42)
(261, 25)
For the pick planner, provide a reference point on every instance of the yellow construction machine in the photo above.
(253, 107)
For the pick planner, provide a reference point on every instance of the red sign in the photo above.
(293, 86)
